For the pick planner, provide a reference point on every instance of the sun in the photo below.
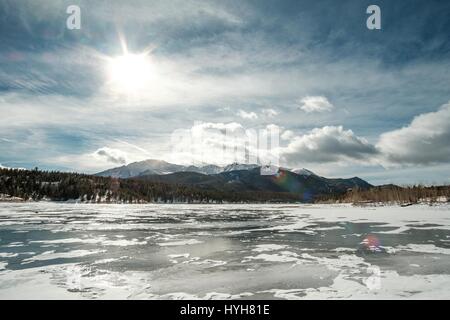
(130, 72)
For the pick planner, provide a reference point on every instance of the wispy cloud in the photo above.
(113, 156)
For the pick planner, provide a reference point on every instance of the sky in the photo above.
(174, 80)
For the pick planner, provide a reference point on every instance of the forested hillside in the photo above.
(60, 186)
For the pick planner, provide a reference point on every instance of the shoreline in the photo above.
(355, 204)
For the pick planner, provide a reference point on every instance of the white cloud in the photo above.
(269, 113)
(328, 144)
(224, 143)
(247, 115)
(425, 140)
(287, 135)
(113, 156)
(205, 142)
(315, 104)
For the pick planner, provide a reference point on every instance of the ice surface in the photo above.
(422, 248)
(268, 247)
(180, 243)
(51, 255)
(85, 251)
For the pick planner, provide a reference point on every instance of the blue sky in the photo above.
(348, 100)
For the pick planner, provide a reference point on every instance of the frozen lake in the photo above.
(85, 251)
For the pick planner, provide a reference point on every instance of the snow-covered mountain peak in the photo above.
(239, 166)
(303, 172)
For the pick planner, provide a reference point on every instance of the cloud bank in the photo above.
(426, 140)
(328, 144)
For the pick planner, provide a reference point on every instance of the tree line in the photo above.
(62, 186)
(391, 194)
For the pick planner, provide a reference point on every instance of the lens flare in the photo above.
(290, 184)
(371, 243)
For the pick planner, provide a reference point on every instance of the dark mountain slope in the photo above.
(308, 187)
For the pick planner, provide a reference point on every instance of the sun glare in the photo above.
(130, 72)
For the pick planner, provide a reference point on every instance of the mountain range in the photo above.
(160, 167)
(236, 177)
